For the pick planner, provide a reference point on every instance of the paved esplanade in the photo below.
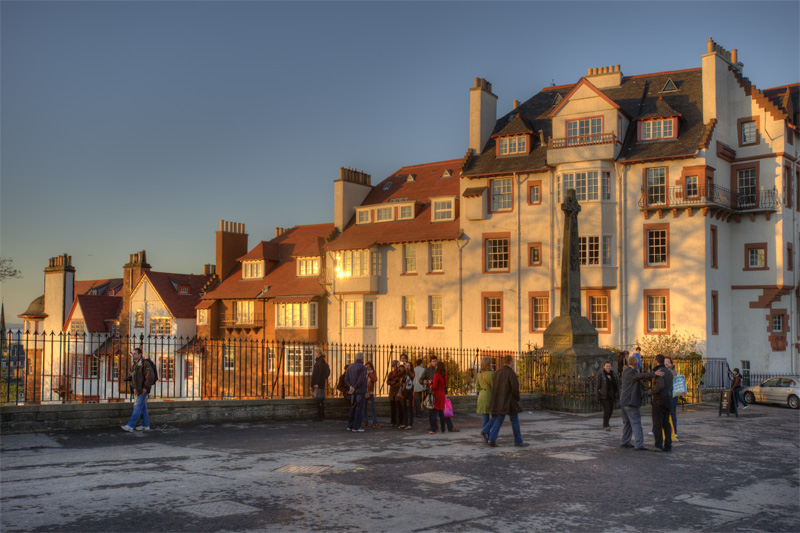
(725, 474)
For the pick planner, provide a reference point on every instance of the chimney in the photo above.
(349, 191)
(208, 270)
(231, 245)
(516, 104)
(715, 72)
(132, 273)
(482, 114)
(603, 77)
(59, 291)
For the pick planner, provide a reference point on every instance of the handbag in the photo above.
(429, 402)
(319, 393)
(448, 408)
(679, 386)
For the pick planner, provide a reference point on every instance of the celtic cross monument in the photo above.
(570, 337)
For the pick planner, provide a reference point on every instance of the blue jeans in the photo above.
(369, 408)
(408, 407)
(486, 427)
(140, 410)
(737, 397)
(356, 411)
(497, 422)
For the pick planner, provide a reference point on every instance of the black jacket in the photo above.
(662, 386)
(321, 373)
(607, 386)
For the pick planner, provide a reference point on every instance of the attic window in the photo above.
(514, 145)
(557, 99)
(387, 186)
(183, 289)
(447, 173)
(93, 292)
(658, 129)
(669, 86)
(411, 177)
(398, 199)
(253, 269)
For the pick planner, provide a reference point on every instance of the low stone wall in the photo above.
(25, 418)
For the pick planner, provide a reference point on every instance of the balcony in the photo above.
(592, 147)
(655, 198)
(247, 321)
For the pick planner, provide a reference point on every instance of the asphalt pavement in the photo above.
(724, 474)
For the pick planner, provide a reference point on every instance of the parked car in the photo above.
(782, 390)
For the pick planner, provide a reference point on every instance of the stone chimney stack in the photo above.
(482, 114)
(231, 245)
(208, 270)
(132, 273)
(349, 191)
(604, 77)
(716, 64)
(59, 291)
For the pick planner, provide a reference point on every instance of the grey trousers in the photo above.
(632, 423)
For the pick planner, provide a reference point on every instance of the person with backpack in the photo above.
(143, 376)
(407, 386)
(342, 387)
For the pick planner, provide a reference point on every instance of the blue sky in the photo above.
(130, 126)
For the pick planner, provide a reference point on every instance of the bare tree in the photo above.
(7, 269)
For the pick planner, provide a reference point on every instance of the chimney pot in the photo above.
(734, 56)
(516, 104)
(710, 45)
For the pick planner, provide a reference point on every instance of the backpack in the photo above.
(153, 367)
(341, 386)
(408, 384)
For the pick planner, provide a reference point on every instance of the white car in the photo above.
(782, 390)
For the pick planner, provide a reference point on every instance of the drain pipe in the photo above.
(553, 208)
(622, 287)
(519, 181)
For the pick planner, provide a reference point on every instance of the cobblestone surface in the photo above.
(725, 474)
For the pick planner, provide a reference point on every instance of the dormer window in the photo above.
(662, 128)
(183, 289)
(669, 87)
(253, 269)
(387, 186)
(514, 145)
(308, 266)
(406, 212)
(363, 216)
(584, 130)
(447, 174)
(443, 209)
(384, 214)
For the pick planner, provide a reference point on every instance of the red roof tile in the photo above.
(428, 183)
(96, 310)
(102, 286)
(264, 250)
(167, 286)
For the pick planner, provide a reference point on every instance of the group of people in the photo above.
(498, 397)
(632, 395)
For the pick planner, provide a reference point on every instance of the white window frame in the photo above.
(756, 258)
(409, 311)
(746, 187)
(588, 185)
(656, 185)
(599, 312)
(362, 216)
(359, 314)
(296, 315)
(749, 129)
(540, 308)
(228, 357)
(138, 320)
(244, 312)
(583, 127)
(406, 212)
(384, 214)
(517, 144)
(692, 186)
(657, 129)
(657, 247)
(436, 317)
(202, 317)
(443, 210)
(353, 264)
(77, 327)
(777, 323)
(252, 269)
(308, 267)
(436, 256)
(493, 309)
(498, 255)
(305, 359)
(409, 258)
(502, 194)
(166, 368)
(607, 250)
(657, 320)
(589, 246)
(160, 326)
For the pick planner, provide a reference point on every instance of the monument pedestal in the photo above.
(573, 347)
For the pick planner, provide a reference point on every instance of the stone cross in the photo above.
(570, 258)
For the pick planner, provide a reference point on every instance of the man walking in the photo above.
(142, 378)
(662, 405)
(736, 392)
(319, 380)
(631, 401)
(356, 380)
(505, 401)
(607, 392)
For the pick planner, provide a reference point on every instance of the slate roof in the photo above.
(518, 124)
(637, 96)
(428, 183)
(280, 269)
(35, 309)
(96, 311)
(787, 98)
(167, 284)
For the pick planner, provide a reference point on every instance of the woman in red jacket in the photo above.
(438, 387)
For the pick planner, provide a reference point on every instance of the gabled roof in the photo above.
(167, 286)
(635, 97)
(264, 250)
(428, 184)
(518, 125)
(787, 98)
(583, 83)
(96, 311)
(281, 274)
(658, 109)
(101, 286)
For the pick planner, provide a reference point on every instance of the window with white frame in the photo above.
(113, 368)
(692, 187)
(160, 325)
(435, 255)
(228, 357)
(384, 214)
(244, 312)
(501, 194)
(514, 145)
(188, 369)
(443, 209)
(657, 247)
(76, 327)
(746, 187)
(363, 216)
(435, 311)
(253, 269)
(605, 186)
(409, 258)
(535, 194)
(166, 368)
(607, 251)
(299, 359)
(93, 366)
(541, 312)
(308, 266)
(497, 253)
(598, 312)
(657, 129)
(78, 365)
(358, 313)
(656, 314)
(138, 321)
(587, 185)
(757, 258)
(589, 250)
(584, 130)
(749, 131)
(352, 263)
(296, 315)
(406, 212)
(656, 186)
(409, 311)
(202, 317)
(493, 308)
(777, 323)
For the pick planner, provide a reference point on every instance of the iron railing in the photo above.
(662, 197)
(582, 140)
(64, 368)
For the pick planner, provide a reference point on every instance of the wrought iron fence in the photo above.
(663, 197)
(65, 368)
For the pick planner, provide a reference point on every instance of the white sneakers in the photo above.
(143, 428)
(140, 428)
(126, 428)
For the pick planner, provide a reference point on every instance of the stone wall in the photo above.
(25, 418)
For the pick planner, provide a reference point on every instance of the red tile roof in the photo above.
(428, 183)
(167, 284)
(102, 286)
(281, 276)
(96, 311)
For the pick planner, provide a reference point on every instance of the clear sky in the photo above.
(128, 126)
